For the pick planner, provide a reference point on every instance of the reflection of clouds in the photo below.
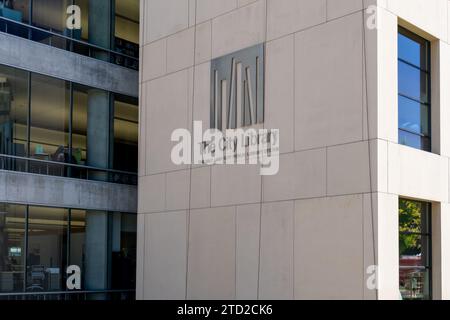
(411, 126)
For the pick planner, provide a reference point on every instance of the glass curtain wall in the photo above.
(108, 24)
(101, 244)
(51, 121)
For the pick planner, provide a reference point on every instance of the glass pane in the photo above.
(16, 11)
(127, 20)
(413, 116)
(413, 51)
(412, 82)
(124, 251)
(12, 247)
(47, 249)
(414, 217)
(126, 127)
(127, 33)
(82, 34)
(410, 248)
(414, 140)
(47, 38)
(415, 284)
(409, 50)
(414, 250)
(13, 117)
(77, 240)
(50, 108)
(51, 14)
(79, 126)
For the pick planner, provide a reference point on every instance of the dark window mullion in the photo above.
(428, 104)
(425, 234)
(427, 72)
(422, 135)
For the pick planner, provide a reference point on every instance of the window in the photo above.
(126, 127)
(12, 247)
(126, 31)
(50, 108)
(116, 30)
(50, 14)
(47, 249)
(124, 251)
(79, 126)
(415, 249)
(13, 117)
(414, 101)
(55, 127)
(101, 244)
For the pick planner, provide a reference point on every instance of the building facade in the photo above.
(68, 148)
(360, 206)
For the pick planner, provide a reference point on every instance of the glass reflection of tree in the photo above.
(410, 228)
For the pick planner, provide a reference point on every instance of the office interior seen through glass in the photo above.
(55, 127)
(415, 250)
(111, 37)
(37, 245)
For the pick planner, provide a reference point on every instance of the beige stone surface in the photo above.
(277, 252)
(212, 254)
(165, 256)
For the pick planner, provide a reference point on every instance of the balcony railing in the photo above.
(68, 170)
(68, 43)
(122, 295)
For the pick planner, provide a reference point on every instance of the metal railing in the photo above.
(64, 42)
(122, 295)
(67, 170)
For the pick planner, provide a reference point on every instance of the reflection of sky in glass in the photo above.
(413, 117)
(408, 50)
(408, 80)
(410, 115)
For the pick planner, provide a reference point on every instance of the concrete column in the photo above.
(98, 131)
(441, 251)
(101, 25)
(98, 142)
(387, 246)
(96, 269)
(3, 247)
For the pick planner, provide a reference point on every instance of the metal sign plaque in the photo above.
(237, 89)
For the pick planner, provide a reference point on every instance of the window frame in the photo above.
(115, 176)
(425, 45)
(428, 234)
(65, 254)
